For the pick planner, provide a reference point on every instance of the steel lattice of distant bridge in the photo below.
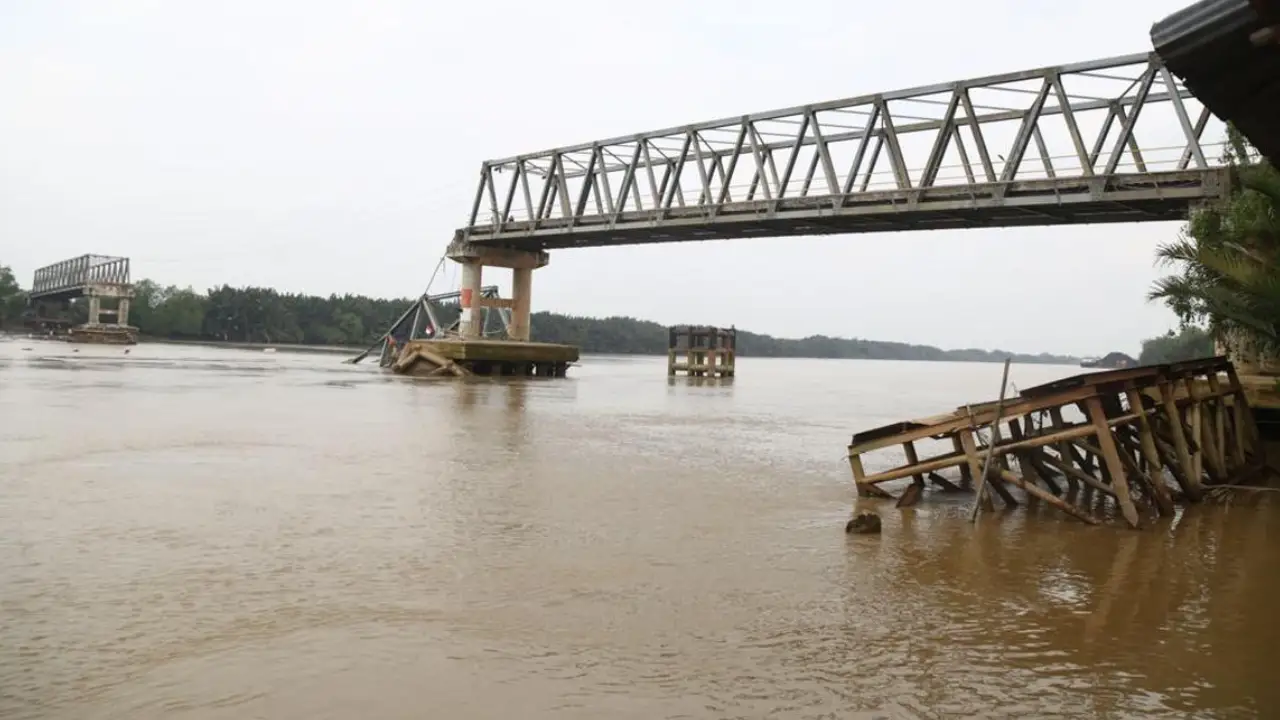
(72, 278)
(1113, 140)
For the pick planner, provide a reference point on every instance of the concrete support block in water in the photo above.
(494, 358)
(706, 351)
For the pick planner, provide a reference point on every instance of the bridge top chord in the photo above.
(1112, 140)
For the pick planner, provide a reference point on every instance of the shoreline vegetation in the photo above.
(262, 317)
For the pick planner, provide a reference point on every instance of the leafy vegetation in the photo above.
(12, 299)
(263, 315)
(1228, 258)
(260, 315)
(629, 335)
(1189, 343)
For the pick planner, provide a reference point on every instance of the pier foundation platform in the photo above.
(490, 358)
(103, 334)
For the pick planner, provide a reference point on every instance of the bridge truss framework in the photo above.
(1112, 140)
(77, 275)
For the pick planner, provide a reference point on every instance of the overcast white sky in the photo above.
(324, 146)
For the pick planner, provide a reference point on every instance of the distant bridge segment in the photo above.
(1112, 140)
(98, 278)
(79, 275)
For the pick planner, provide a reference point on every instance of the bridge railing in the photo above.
(1118, 116)
(78, 272)
(1155, 159)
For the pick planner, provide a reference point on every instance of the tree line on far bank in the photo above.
(263, 315)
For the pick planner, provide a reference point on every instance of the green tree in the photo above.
(349, 325)
(12, 298)
(1189, 343)
(1228, 257)
(265, 315)
(180, 315)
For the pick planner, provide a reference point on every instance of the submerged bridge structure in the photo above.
(1113, 140)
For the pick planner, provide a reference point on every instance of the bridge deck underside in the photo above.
(56, 296)
(1133, 198)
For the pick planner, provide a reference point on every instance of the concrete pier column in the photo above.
(95, 310)
(122, 313)
(521, 303)
(522, 263)
(471, 321)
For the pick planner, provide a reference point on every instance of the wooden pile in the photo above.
(1139, 439)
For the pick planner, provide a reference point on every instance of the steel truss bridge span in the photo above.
(1112, 140)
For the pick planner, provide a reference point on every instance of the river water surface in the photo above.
(206, 533)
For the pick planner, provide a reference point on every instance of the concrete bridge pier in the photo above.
(474, 259)
(470, 353)
(120, 313)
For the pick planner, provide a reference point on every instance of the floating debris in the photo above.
(864, 523)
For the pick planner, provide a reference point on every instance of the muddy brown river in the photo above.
(204, 533)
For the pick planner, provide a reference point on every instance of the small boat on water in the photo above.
(1111, 361)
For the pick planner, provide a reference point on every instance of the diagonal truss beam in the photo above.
(1053, 136)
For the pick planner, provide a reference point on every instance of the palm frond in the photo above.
(1180, 250)
(1226, 261)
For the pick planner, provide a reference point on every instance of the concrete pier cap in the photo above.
(468, 253)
